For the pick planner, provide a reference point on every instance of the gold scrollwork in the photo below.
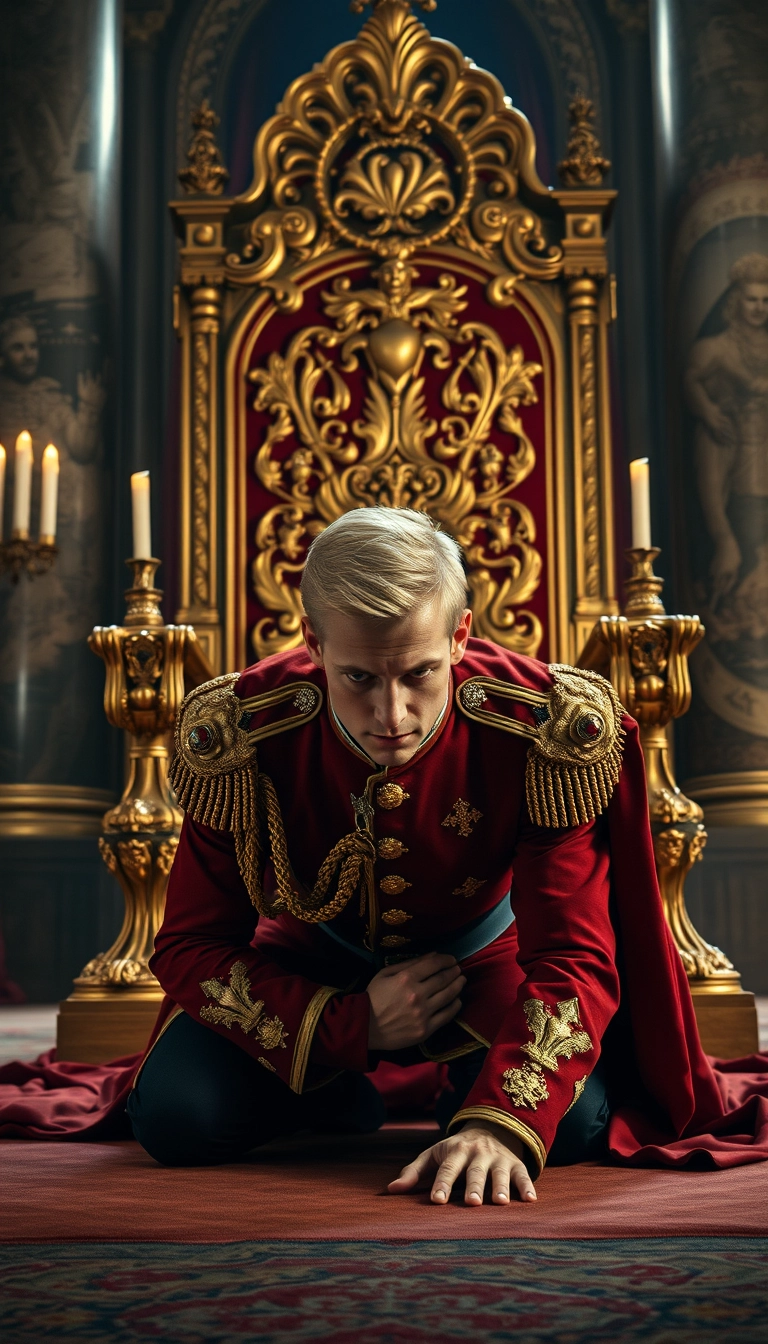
(395, 453)
(394, 142)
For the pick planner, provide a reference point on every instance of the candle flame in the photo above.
(52, 454)
(24, 442)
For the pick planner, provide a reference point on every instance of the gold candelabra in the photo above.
(20, 555)
(149, 666)
(644, 653)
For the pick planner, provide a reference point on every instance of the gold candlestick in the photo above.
(645, 653)
(20, 555)
(149, 665)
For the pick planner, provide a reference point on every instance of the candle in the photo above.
(640, 482)
(2, 487)
(22, 486)
(49, 497)
(142, 527)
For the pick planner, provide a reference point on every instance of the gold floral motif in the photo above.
(394, 940)
(668, 847)
(389, 848)
(578, 1088)
(555, 1036)
(393, 885)
(469, 886)
(267, 1064)
(472, 696)
(135, 857)
(390, 796)
(236, 1008)
(462, 817)
(305, 700)
(394, 182)
(526, 1086)
(584, 163)
(395, 916)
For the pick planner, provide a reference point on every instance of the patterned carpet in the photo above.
(697, 1290)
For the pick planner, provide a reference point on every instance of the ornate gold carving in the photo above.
(584, 164)
(108, 854)
(555, 1036)
(395, 142)
(462, 478)
(462, 817)
(390, 796)
(166, 853)
(469, 886)
(587, 411)
(389, 848)
(575, 761)
(206, 174)
(236, 1008)
(393, 885)
(395, 916)
(525, 1086)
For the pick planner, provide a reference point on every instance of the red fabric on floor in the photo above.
(334, 1189)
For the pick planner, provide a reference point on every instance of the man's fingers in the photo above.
(522, 1182)
(451, 992)
(437, 984)
(500, 1178)
(441, 1019)
(423, 967)
(412, 1173)
(477, 1172)
(447, 1172)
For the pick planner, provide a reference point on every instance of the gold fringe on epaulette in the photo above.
(225, 802)
(560, 794)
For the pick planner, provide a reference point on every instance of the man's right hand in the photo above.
(413, 999)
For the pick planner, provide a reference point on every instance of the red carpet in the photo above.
(333, 1189)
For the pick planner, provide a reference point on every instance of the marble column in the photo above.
(710, 70)
(59, 243)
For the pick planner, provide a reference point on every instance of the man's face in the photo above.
(388, 680)
(21, 354)
(754, 304)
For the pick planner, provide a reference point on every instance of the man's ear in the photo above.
(460, 636)
(312, 642)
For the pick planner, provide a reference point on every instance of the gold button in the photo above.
(389, 848)
(395, 916)
(394, 940)
(390, 795)
(392, 886)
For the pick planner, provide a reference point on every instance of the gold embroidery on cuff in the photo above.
(305, 1034)
(266, 1062)
(469, 886)
(463, 817)
(528, 1136)
(578, 1088)
(395, 916)
(526, 1086)
(236, 1007)
(560, 1036)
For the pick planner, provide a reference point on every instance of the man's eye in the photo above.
(357, 677)
(422, 672)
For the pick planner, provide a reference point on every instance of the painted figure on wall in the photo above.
(726, 384)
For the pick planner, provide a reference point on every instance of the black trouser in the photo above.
(201, 1100)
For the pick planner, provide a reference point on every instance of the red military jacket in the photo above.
(287, 816)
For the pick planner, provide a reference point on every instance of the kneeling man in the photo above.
(404, 843)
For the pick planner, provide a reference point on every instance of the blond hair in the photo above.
(383, 563)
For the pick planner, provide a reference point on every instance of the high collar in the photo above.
(431, 738)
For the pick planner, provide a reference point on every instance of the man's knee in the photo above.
(181, 1128)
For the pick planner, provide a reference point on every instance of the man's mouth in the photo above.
(389, 739)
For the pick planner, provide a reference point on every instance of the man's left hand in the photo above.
(482, 1151)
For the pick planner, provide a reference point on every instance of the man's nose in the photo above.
(390, 707)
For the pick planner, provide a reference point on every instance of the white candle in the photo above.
(50, 493)
(22, 485)
(2, 487)
(640, 482)
(142, 527)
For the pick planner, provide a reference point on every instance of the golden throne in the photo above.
(398, 311)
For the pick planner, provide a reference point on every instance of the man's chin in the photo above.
(395, 754)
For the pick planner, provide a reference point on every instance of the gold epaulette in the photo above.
(574, 760)
(213, 772)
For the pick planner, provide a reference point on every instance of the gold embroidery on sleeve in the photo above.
(578, 1088)
(267, 1064)
(526, 1086)
(562, 1035)
(237, 1007)
(462, 816)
